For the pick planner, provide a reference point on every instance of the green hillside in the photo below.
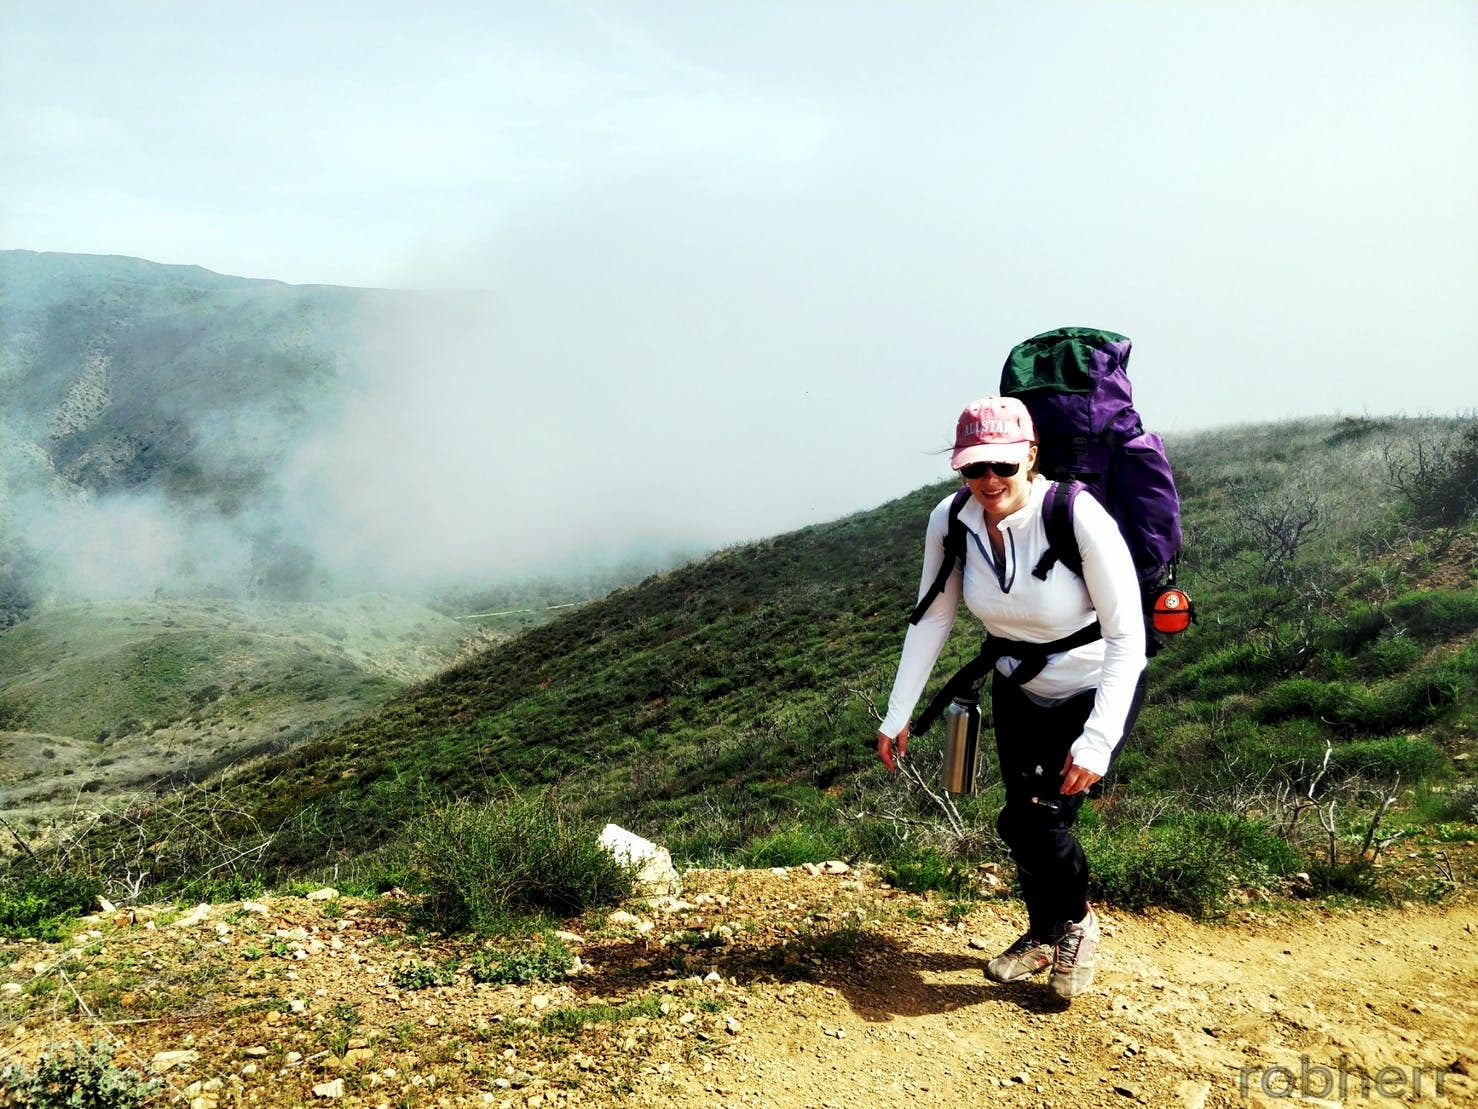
(727, 708)
(108, 700)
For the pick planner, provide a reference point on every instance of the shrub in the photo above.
(802, 843)
(481, 863)
(85, 1076)
(1413, 759)
(37, 905)
(418, 975)
(1352, 878)
(1439, 477)
(549, 963)
(1190, 863)
(927, 869)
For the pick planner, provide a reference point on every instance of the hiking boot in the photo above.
(1072, 968)
(1021, 960)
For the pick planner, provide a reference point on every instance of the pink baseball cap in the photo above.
(993, 429)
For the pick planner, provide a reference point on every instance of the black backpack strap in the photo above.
(954, 556)
(1032, 661)
(1057, 518)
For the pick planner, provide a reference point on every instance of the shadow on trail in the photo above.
(880, 977)
(893, 981)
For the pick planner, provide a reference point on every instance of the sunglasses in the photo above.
(980, 469)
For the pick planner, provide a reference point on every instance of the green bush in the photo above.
(801, 843)
(1413, 759)
(549, 963)
(481, 863)
(419, 975)
(1437, 614)
(84, 1077)
(37, 906)
(927, 869)
(1350, 878)
(1191, 862)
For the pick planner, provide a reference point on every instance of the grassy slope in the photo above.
(109, 697)
(718, 702)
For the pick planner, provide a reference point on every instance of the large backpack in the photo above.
(1073, 383)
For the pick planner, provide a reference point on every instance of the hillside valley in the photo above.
(106, 702)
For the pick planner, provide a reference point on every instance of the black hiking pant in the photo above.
(1032, 743)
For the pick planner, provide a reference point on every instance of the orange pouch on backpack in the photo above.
(1171, 612)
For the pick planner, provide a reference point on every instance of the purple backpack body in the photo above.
(1073, 382)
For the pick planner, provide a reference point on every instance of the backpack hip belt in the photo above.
(1032, 660)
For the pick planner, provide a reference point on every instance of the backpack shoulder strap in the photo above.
(954, 555)
(1057, 518)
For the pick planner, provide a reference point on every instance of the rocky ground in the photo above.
(802, 988)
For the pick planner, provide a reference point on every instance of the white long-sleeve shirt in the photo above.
(1013, 604)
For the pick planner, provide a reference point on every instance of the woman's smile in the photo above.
(1001, 496)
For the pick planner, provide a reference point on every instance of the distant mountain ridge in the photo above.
(126, 372)
(129, 378)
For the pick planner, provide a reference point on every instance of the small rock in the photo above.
(167, 1060)
(1127, 1091)
(569, 937)
(712, 977)
(255, 907)
(836, 866)
(621, 918)
(329, 1089)
(194, 916)
(328, 893)
(106, 906)
(256, 1051)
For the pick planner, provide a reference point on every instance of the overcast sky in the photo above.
(762, 253)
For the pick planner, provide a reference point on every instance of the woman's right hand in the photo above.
(892, 750)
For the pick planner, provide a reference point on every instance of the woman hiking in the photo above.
(1060, 722)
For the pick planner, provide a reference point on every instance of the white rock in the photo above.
(194, 916)
(167, 1060)
(255, 907)
(836, 866)
(328, 893)
(329, 1089)
(655, 874)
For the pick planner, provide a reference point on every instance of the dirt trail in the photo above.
(798, 990)
(1181, 1014)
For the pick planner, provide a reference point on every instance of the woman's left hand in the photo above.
(1075, 778)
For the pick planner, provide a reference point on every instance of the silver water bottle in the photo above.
(961, 743)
